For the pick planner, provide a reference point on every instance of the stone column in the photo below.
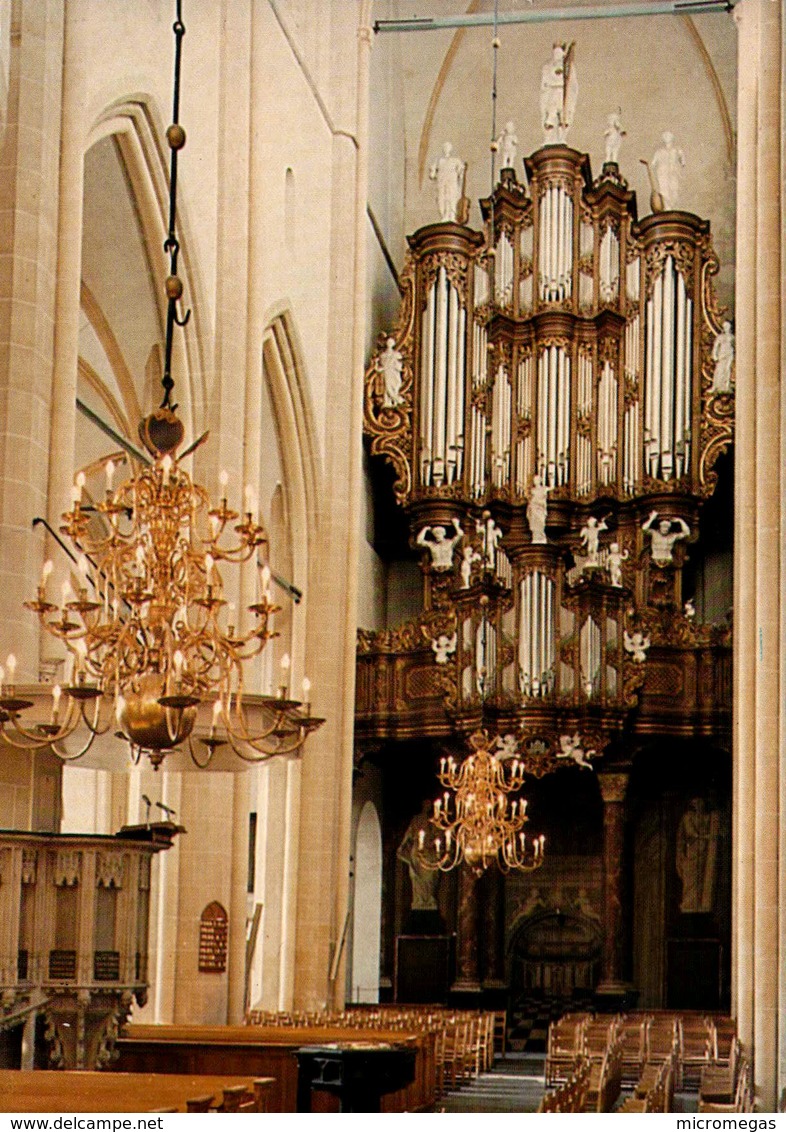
(467, 932)
(612, 789)
(29, 201)
(326, 785)
(493, 930)
(759, 720)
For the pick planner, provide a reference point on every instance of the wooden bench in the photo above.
(75, 1090)
(270, 1051)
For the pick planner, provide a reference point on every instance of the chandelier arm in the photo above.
(263, 756)
(69, 758)
(195, 760)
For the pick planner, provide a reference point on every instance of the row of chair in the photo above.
(464, 1042)
(571, 1094)
(726, 1085)
(693, 1041)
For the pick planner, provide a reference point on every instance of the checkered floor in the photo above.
(529, 1018)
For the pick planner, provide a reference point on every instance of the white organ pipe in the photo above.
(560, 241)
(657, 342)
(679, 391)
(440, 375)
(427, 380)
(667, 372)
(452, 390)
(688, 415)
(461, 374)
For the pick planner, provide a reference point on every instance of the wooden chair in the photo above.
(565, 1045)
(236, 1099)
(742, 1100)
(200, 1104)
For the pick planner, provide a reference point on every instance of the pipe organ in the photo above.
(557, 385)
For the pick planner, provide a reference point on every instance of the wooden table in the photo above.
(75, 1090)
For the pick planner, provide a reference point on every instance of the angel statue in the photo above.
(570, 748)
(637, 645)
(443, 647)
(559, 89)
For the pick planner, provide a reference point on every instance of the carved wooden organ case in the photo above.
(567, 347)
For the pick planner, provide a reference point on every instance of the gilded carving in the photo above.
(390, 424)
(683, 254)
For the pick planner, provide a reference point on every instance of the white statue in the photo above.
(614, 562)
(696, 857)
(570, 748)
(559, 89)
(537, 509)
(491, 535)
(508, 146)
(412, 852)
(637, 645)
(389, 365)
(444, 647)
(448, 171)
(614, 134)
(665, 168)
(663, 537)
(590, 539)
(507, 746)
(689, 609)
(723, 356)
(469, 556)
(440, 546)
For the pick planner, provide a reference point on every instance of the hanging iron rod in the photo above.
(547, 15)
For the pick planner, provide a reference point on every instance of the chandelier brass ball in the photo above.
(149, 725)
(176, 136)
(173, 287)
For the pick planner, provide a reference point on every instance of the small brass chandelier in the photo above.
(479, 824)
(149, 633)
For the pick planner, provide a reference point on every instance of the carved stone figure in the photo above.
(469, 556)
(723, 356)
(637, 644)
(440, 546)
(570, 748)
(448, 171)
(491, 535)
(423, 879)
(665, 169)
(663, 537)
(697, 854)
(590, 535)
(390, 364)
(444, 647)
(559, 89)
(614, 134)
(508, 146)
(689, 609)
(537, 509)
(614, 562)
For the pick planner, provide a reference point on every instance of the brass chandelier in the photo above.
(150, 634)
(480, 825)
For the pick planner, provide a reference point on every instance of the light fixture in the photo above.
(150, 633)
(479, 824)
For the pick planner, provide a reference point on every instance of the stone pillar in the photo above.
(29, 201)
(612, 789)
(759, 720)
(467, 980)
(493, 885)
(326, 785)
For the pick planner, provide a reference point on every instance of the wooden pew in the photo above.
(269, 1051)
(75, 1090)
